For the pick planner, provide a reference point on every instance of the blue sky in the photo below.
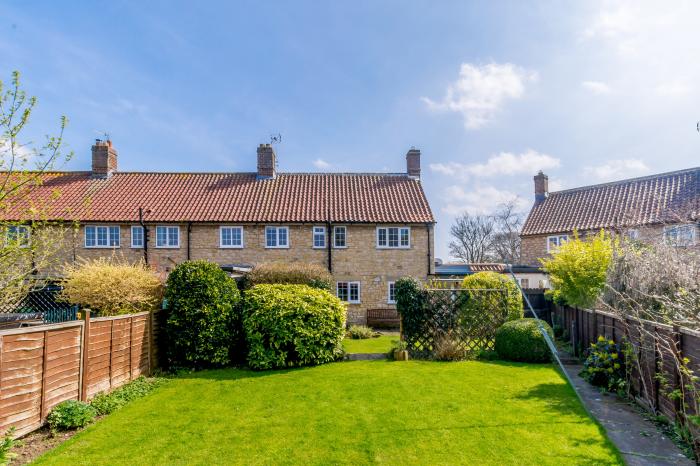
(489, 91)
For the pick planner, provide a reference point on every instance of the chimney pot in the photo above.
(541, 187)
(413, 163)
(104, 159)
(267, 161)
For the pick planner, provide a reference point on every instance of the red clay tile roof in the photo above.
(231, 197)
(655, 199)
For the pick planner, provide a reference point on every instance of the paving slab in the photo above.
(638, 439)
(364, 356)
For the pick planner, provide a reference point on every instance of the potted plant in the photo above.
(400, 351)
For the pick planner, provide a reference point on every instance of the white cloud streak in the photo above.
(502, 164)
(617, 169)
(480, 200)
(596, 87)
(481, 91)
(321, 164)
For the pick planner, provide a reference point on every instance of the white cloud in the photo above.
(675, 88)
(502, 164)
(482, 90)
(480, 200)
(321, 164)
(617, 169)
(596, 87)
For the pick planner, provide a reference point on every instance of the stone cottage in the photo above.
(368, 229)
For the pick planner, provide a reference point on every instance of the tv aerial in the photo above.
(276, 138)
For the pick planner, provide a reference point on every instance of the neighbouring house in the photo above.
(656, 207)
(528, 277)
(368, 229)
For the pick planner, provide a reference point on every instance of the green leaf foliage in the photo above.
(71, 414)
(521, 340)
(604, 366)
(290, 273)
(578, 269)
(411, 299)
(292, 325)
(203, 326)
(106, 403)
(510, 296)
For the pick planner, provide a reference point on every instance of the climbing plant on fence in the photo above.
(469, 317)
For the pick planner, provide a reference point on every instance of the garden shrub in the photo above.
(7, 442)
(578, 269)
(604, 366)
(448, 348)
(71, 414)
(521, 340)
(292, 325)
(480, 300)
(203, 326)
(360, 332)
(106, 403)
(112, 286)
(290, 273)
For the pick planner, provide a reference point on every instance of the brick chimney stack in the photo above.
(267, 161)
(413, 163)
(541, 187)
(104, 159)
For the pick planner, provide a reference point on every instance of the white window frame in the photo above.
(349, 285)
(231, 246)
(277, 237)
(388, 292)
(386, 233)
(322, 231)
(632, 234)
(675, 229)
(167, 244)
(109, 237)
(19, 228)
(143, 237)
(345, 236)
(559, 239)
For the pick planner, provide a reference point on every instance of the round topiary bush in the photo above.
(521, 340)
(203, 326)
(510, 297)
(292, 325)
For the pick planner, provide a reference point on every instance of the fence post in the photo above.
(150, 343)
(678, 377)
(131, 346)
(595, 327)
(42, 405)
(86, 356)
(656, 370)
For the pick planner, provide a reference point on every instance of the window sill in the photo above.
(230, 247)
(167, 247)
(102, 247)
(276, 247)
(393, 248)
(340, 247)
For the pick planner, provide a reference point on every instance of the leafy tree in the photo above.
(578, 269)
(29, 244)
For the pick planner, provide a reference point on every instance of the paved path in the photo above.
(640, 442)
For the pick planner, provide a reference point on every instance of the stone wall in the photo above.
(360, 261)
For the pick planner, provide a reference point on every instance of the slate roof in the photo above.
(664, 198)
(229, 197)
(460, 268)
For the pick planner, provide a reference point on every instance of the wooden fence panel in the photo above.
(45, 365)
(39, 368)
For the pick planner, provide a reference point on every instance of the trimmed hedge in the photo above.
(290, 273)
(203, 326)
(492, 280)
(521, 340)
(292, 325)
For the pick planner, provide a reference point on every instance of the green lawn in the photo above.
(380, 344)
(351, 413)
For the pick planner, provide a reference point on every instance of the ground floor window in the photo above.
(391, 293)
(167, 237)
(348, 291)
